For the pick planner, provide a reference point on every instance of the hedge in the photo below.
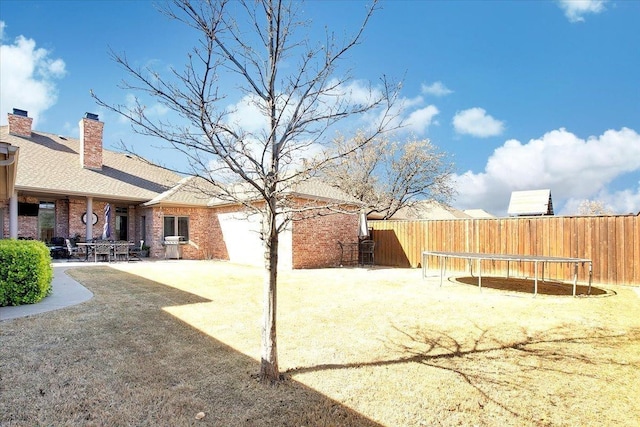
(25, 272)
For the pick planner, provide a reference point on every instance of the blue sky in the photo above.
(522, 94)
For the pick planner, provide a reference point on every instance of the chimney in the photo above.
(91, 142)
(19, 123)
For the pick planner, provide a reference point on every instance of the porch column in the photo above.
(89, 216)
(13, 216)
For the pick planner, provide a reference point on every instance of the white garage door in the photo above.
(241, 233)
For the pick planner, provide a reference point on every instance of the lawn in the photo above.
(161, 342)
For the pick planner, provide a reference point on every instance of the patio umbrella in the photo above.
(363, 227)
(106, 230)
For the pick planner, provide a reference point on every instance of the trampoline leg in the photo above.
(535, 278)
(480, 274)
(575, 277)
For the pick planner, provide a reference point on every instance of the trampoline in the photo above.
(479, 257)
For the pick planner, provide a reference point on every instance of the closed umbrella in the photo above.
(363, 227)
(106, 230)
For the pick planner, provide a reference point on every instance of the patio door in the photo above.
(122, 223)
(46, 221)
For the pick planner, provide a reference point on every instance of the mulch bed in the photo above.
(526, 285)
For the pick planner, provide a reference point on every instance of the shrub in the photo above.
(25, 272)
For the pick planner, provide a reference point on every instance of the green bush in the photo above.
(25, 272)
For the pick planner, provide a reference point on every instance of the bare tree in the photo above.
(293, 84)
(594, 207)
(387, 176)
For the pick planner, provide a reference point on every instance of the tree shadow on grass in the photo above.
(121, 359)
(488, 363)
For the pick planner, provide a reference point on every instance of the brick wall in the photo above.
(91, 143)
(4, 219)
(205, 234)
(315, 240)
(19, 125)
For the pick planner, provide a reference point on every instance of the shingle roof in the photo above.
(51, 164)
(309, 189)
(190, 191)
(425, 209)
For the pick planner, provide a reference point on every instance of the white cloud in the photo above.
(419, 120)
(476, 122)
(575, 10)
(28, 77)
(436, 89)
(573, 168)
(621, 202)
(247, 115)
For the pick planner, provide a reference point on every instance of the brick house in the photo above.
(62, 186)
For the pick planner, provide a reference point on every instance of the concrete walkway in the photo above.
(65, 292)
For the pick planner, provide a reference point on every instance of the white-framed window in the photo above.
(176, 226)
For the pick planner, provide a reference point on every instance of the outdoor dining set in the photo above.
(95, 250)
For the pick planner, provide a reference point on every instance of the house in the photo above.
(530, 203)
(426, 209)
(478, 213)
(62, 186)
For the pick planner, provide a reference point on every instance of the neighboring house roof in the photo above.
(531, 202)
(478, 213)
(426, 209)
(49, 164)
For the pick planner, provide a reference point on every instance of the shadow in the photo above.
(389, 250)
(547, 287)
(57, 144)
(122, 359)
(134, 180)
(482, 361)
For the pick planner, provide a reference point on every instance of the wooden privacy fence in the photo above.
(611, 242)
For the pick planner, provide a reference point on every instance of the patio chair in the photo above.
(348, 253)
(102, 250)
(134, 251)
(121, 251)
(366, 252)
(73, 251)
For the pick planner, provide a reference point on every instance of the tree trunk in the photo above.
(269, 361)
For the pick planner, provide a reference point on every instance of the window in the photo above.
(176, 226)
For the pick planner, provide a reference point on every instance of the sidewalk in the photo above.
(65, 292)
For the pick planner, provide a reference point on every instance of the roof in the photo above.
(426, 209)
(50, 164)
(478, 213)
(532, 202)
(309, 189)
(190, 191)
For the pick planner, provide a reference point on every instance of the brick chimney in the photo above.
(91, 142)
(19, 123)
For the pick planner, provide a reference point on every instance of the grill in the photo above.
(172, 247)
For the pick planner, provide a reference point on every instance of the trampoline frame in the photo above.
(479, 257)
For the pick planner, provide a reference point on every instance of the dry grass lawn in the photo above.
(162, 341)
